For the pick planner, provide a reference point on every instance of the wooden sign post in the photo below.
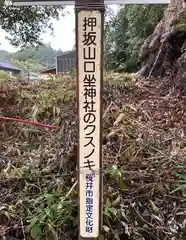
(89, 47)
(89, 65)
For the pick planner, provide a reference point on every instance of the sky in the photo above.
(64, 33)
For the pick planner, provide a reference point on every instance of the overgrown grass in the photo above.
(143, 156)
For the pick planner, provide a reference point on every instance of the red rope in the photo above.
(27, 122)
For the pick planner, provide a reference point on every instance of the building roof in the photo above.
(47, 70)
(64, 53)
(7, 66)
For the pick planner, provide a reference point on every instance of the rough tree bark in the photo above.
(162, 51)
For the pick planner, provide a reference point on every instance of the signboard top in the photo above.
(69, 2)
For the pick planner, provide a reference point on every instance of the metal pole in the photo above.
(89, 59)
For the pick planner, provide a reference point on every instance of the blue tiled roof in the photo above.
(5, 65)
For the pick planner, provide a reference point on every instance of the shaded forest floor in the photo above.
(144, 155)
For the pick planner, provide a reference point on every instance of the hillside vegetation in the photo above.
(143, 156)
(31, 58)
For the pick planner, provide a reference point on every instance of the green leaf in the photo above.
(42, 218)
(180, 176)
(36, 232)
(121, 185)
(32, 221)
(113, 211)
(115, 167)
(179, 188)
(108, 203)
(180, 181)
(181, 25)
(50, 199)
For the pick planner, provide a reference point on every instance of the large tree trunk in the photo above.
(162, 51)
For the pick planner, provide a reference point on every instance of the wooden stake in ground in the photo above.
(89, 46)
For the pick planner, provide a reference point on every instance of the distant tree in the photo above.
(43, 55)
(25, 24)
(20, 64)
(29, 65)
(127, 31)
(4, 55)
(25, 54)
